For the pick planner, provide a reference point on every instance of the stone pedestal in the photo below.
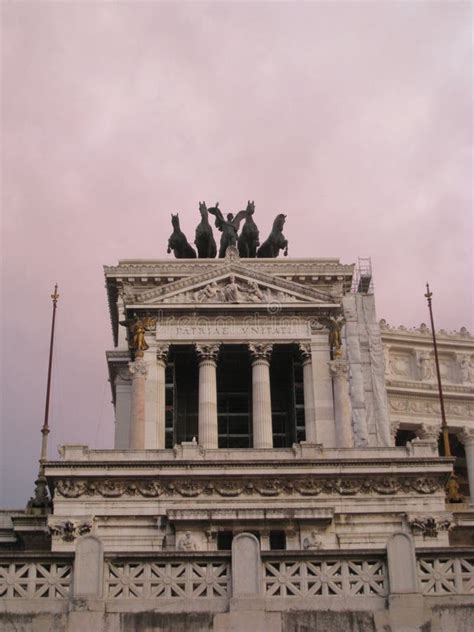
(466, 436)
(261, 395)
(139, 370)
(342, 403)
(207, 415)
(308, 386)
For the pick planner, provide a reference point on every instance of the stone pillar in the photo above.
(88, 568)
(342, 403)
(123, 390)
(322, 387)
(161, 359)
(401, 560)
(139, 370)
(207, 415)
(261, 395)
(466, 436)
(308, 388)
(246, 566)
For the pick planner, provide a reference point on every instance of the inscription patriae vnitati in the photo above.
(231, 327)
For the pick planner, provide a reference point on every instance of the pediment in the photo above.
(233, 285)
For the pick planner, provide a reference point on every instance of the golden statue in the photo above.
(453, 494)
(138, 335)
(335, 338)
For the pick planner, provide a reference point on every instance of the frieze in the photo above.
(267, 487)
(416, 406)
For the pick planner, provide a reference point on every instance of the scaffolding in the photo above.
(362, 281)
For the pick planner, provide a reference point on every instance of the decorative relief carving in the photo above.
(269, 486)
(312, 541)
(430, 526)
(466, 369)
(425, 364)
(187, 542)
(69, 530)
(233, 291)
(430, 407)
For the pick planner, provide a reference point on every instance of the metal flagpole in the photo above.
(444, 425)
(40, 499)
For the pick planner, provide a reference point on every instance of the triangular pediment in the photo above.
(234, 284)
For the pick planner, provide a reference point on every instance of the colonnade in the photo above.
(148, 404)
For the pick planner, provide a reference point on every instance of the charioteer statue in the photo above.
(247, 242)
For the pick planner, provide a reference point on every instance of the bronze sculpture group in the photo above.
(247, 242)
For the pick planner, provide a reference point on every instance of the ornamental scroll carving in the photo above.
(430, 526)
(266, 486)
(69, 530)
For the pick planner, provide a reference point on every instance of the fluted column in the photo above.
(139, 370)
(161, 360)
(466, 436)
(261, 395)
(342, 403)
(308, 389)
(207, 414)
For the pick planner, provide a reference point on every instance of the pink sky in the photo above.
(352, 118)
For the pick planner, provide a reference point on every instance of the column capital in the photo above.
(162, 353)
(260, 350)
(466, 436)
(428, 432)
(207, 351)
(339, 368)
(305, 350)
(138, 368)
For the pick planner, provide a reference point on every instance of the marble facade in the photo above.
(343, 521)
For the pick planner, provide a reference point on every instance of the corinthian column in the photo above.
(308, 389)
(207, 414)
(139, 370)
(342, 403)
(261, 397)
(466, 436)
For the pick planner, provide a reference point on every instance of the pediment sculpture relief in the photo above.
(232, 291)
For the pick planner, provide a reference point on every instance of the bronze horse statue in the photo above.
(248, 239)
(205, 242)
(229, 227)
(178, 242)
(276, 241)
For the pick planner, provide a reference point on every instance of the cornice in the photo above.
(423, 334)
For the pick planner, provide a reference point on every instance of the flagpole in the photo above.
(444, 425)
(40, 499)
